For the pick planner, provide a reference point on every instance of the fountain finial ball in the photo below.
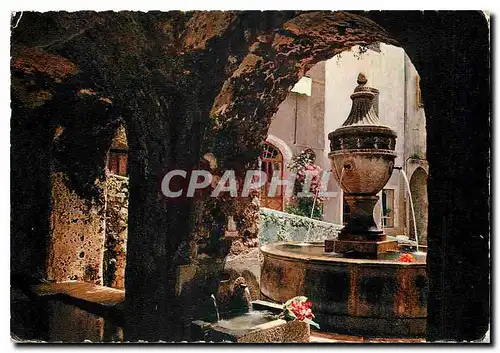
(362, 79)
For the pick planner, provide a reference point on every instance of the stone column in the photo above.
(85, 126)
(77, 235)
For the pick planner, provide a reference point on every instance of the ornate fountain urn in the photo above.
(362, 157)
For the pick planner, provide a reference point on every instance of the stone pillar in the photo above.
(160, 229)
(157, 244)
(76, 245)
(29, 192)
(363, 224)
(85, 126)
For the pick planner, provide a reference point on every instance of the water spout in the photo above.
(411, 205)
(381, 214)
(312, 213)
(248, 297)
(215, 306)
(342, 176)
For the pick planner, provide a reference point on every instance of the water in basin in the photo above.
(318, 249)
(246, 321)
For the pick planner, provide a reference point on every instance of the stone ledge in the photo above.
(88, 292)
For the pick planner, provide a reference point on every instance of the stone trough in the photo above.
(257, 326)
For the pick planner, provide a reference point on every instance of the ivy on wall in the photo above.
(276, 226)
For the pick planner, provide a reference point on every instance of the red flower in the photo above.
(406, 258)
(299, 308)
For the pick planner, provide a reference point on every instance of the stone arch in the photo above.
(275, 62)
(413, 164)
(282, 146)
(418, 188)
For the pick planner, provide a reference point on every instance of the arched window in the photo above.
(271, 164)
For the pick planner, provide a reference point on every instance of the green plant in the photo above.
(362, 49)
(303, 164)
(302, 206)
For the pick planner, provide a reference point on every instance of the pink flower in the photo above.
(302, 310)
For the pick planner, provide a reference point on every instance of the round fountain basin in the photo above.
(381, 297)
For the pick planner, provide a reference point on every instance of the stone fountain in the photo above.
(359, 283)
(362, 156)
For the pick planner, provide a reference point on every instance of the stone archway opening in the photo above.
(396, 105)
(276, 61)
(418, 187)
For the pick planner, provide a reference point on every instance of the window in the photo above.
(419, 102)
(388, 208)
(117, 162)
(346, 212)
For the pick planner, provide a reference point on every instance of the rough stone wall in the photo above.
(179, 100)
(77, 235)
(29, 194)
(120, 139)
(116, 231)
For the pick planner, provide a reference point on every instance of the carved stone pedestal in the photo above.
(362, 225)
(361, 248)
(360, 236)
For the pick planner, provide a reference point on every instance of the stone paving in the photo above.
(328, 337)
